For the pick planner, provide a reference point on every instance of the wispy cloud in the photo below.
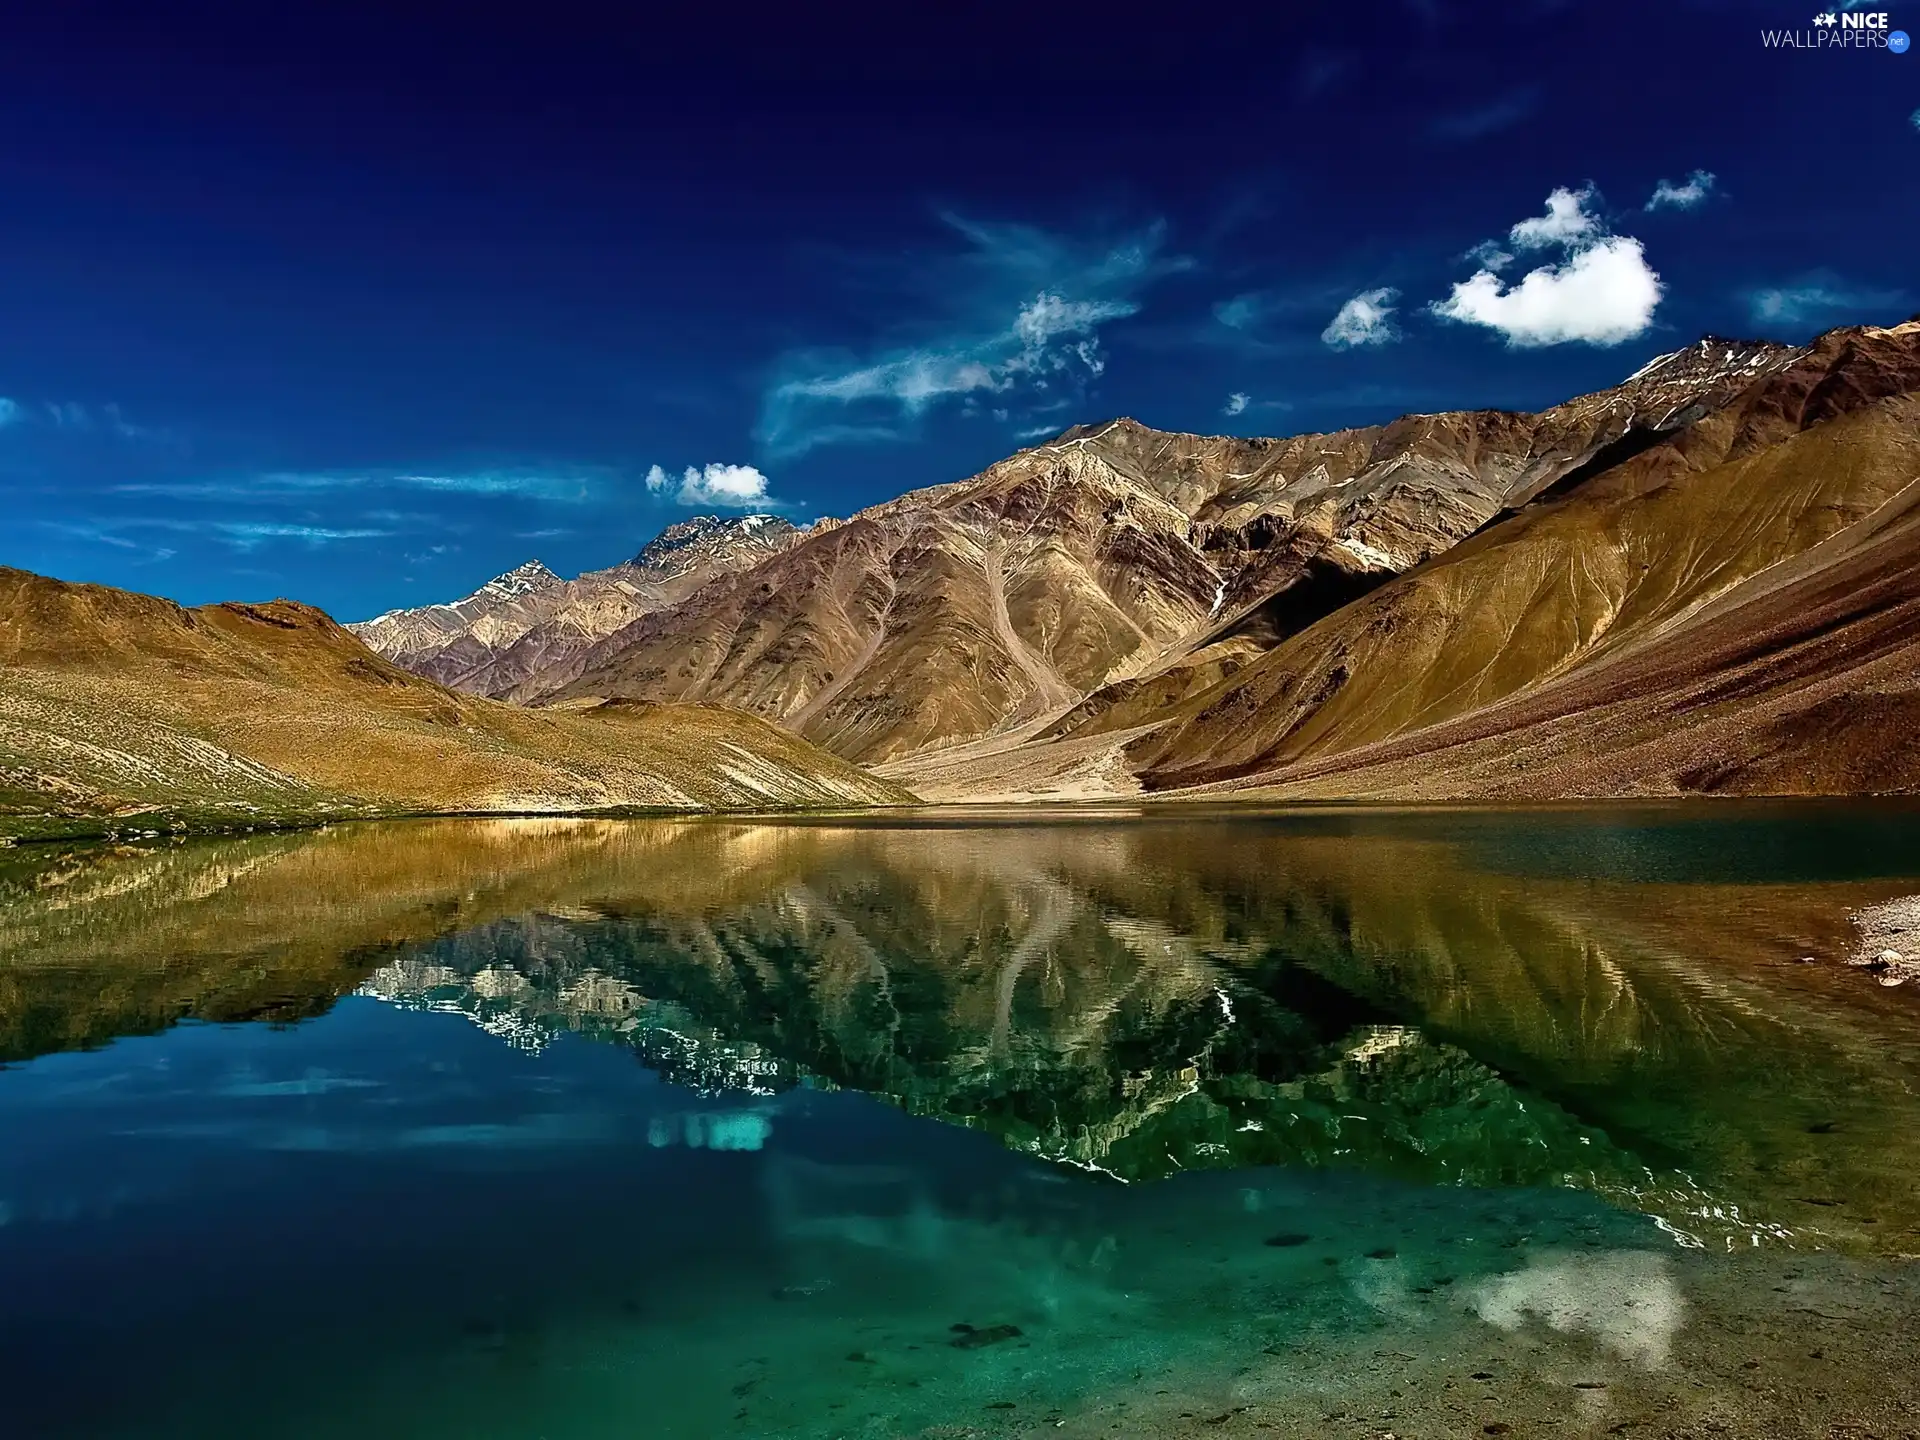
(1240, 402)
(565, 486)
(74, 417)
(1366, 319)
(728, 487)
(1569, 220)
(1025, 311)
(95, 534)
(1479, 121)
(246, 535)
(238, 534)
(1822, 298)
(1271, 323)
(1602, 292)
(1693, 191)
(1242, 312)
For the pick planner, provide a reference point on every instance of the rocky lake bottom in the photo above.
(1329, 1122)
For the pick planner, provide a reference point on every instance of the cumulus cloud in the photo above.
(1685, 196)
(728, 487)
(1568, 221)
(1366, 319)
(9, 412)
(1601, 292)
(1237, 402)
(1026, 309)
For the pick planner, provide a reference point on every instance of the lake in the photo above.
(949, 1124)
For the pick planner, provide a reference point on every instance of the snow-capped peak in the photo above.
(521, 580)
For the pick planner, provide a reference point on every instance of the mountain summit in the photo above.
(531, 621)
(706, 540)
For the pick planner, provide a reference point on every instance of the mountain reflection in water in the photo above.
(1442, 998)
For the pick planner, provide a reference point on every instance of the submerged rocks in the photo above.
(970, 1337)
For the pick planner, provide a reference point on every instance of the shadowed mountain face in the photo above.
(1106, 558)
(1445, 998)
(115, 704)
(1730, 609)
(530, 622)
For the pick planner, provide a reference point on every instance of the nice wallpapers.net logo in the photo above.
(1837, 31)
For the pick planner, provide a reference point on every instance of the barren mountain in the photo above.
(1734, 608)
(113, 703)
(442, 641)
(1121, 560)
(530, 622)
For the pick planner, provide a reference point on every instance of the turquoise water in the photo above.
(1335, 1122)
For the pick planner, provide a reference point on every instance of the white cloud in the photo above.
(1236, 403)
(1025, 313)
(1685, 196)
(240, 534)
(1050, 316)
(1604, 294)
(245, 535)
(1568, 221)
(729, 487)
(1366, 319)
(1601, 293)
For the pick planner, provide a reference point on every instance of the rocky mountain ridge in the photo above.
(530, 621)
(1113, 555)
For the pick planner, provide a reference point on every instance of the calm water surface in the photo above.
(1334, 1122)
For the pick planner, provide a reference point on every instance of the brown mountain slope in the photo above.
(531, 622)
(1728, 609)
(1147, 563)
(112, 702)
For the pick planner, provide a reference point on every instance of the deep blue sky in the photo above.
(364, 304)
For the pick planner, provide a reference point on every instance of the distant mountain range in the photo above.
(530, 623)
(1699, 579)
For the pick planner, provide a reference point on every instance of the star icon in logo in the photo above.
(1828, 18)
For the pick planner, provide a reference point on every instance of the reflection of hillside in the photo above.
(1132, 996)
